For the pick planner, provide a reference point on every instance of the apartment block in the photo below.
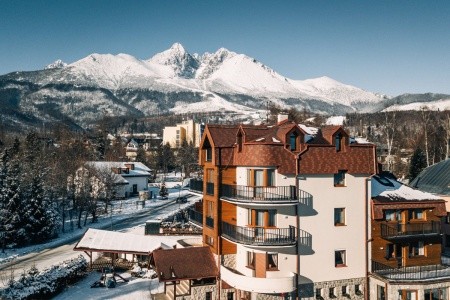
(285, 208)
(188, 131)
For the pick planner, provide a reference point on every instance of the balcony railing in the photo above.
(272, 285)
(258, 236)
(415, 273)
(210, 188)
(391, 231)
(209, 222)
(263, 193)
(196, 185)
(196, 217)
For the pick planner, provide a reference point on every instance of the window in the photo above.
(416, 249)
(319, 293)
(230, 296)
(358, 290)
(208, 296)
(262, 217)
(339, 178)
(272, 261)
(435, 294)
(339, 258)
(250, 259)
(293, 141)
(331, 292)
(390, 251)
(270, 177)
(239, 141)
(339, 216)
(337, 142)
(416, 214)
(208, 154)
(344, 290)
(209, 240)
(407, 295)
(381, 294)
(393, 215)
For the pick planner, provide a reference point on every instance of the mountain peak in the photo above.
(183, 63)
(57, 64)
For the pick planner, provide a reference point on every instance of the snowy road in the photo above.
(47, 257)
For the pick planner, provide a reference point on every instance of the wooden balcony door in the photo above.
(259, 183)
(400, 255)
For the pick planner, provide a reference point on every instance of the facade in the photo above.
(189, 131)
(284, 209)
(405, 243)
(436, 180)
(131, 177)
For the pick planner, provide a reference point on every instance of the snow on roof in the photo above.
(275, 140)
(309, 130)
(139, 168)
(113, 241)
(388, 188)
(335, 120)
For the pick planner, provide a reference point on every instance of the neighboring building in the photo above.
(436, 180)
(131, 177)
(284, 209)
(188, 130)
(405, 243)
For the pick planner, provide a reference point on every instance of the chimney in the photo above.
(282, 117)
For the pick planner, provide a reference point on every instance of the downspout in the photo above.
(367, 219)
(297, 217)
(219, 188)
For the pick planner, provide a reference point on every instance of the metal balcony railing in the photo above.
(196, 217)
(414, 273)
(264, 193)
(196, 185)
(259, 236)
(391, 231)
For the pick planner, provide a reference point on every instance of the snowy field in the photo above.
(125, 213)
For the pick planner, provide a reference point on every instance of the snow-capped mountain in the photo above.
(57, 64)
(173, 80)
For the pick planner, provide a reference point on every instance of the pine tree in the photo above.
(4, 161)
(417, 164)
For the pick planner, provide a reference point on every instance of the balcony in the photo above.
(415, 273)
(259, 285)
(196, 217)
(403, 231)
(196, 186)
(257, 236)
(261, 194)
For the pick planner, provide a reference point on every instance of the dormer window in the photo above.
(239, 141)
(293, 138)
(337, 142)
(208, 154)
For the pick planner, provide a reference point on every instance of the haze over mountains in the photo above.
(175, 81)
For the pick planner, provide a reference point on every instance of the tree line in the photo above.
(47, 188)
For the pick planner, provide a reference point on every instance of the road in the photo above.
(64, 250)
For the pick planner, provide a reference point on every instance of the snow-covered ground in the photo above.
(126, 217)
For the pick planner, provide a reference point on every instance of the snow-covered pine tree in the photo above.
(15, 232)
(3, 212)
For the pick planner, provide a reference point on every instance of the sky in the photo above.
(388, 47)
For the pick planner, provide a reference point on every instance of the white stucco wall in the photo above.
(326, 238)
(141, 181)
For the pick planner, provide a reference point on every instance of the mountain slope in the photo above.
(173, 80)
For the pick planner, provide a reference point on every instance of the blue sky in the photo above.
(391, 47)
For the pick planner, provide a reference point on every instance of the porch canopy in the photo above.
(97, 240)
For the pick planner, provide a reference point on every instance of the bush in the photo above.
(42, 285)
